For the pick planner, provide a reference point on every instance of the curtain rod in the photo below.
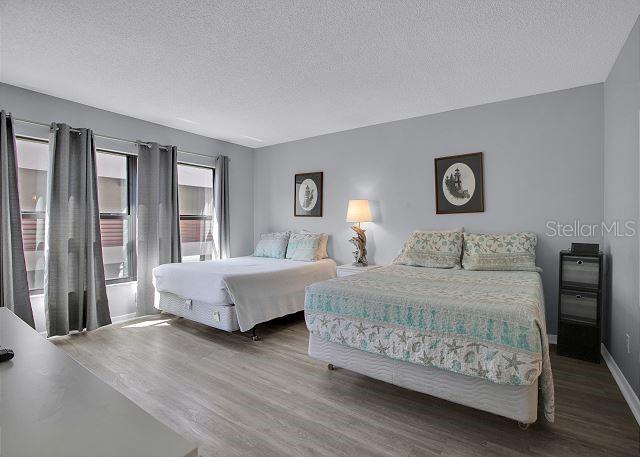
(106, 137)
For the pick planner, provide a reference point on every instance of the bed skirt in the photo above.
(519, 403)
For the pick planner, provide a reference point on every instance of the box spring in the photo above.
(514, 402)
(217, 315)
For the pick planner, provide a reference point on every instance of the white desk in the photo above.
(52, 406)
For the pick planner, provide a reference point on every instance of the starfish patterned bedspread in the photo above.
(487, 324)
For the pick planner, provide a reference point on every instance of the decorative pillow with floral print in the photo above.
(431, 249)
(500, 252)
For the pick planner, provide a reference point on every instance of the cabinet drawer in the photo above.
(578, 271)
(577, 306)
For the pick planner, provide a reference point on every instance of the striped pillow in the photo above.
(272, 245)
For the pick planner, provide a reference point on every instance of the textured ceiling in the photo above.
(242, 70)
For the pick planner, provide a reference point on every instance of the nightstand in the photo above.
(348, 269)
(582, 290)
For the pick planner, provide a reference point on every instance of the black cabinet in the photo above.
(582, 283)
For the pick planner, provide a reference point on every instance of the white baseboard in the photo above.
(124, 317)
(553, 339)
(628, 393)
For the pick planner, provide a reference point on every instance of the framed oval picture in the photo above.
(459, 184)
(307, 196)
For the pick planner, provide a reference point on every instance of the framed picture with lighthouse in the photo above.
(459, 184)
(307, 195)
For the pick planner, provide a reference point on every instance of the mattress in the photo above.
(515, 402)
(483, 324)
(207, 281)
(261, 288)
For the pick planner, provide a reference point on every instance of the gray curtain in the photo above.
(74, 284)
(13, 272)
(158, 217)
(221, 206)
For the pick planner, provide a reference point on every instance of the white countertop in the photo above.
(50, 406)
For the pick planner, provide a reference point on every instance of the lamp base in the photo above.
(360, 243)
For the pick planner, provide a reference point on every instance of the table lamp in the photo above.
(359, 211)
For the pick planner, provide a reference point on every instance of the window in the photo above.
(33, 165)
(195, 195)
(116, 200)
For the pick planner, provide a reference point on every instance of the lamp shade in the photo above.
(358, 211)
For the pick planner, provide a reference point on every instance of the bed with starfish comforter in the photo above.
(483, 324)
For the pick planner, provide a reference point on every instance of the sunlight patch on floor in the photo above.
(155, 323)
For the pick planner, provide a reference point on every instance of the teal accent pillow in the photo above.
(272, 245)
(304, 246)
(324, 240)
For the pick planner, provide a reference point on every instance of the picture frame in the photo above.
(459, 183)
(308, 194)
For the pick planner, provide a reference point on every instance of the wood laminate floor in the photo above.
(235, 397)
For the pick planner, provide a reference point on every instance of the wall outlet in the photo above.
(628, 343)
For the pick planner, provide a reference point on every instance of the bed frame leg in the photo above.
(331, 367)
(254, 337)
(523, 426)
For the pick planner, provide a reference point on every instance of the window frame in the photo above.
(198, 217)
(130, 215)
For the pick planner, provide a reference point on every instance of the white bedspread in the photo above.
(261, 288)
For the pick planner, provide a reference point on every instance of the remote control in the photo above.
(5, 354)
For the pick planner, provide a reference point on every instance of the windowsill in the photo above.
(119, 283)
(115, 282)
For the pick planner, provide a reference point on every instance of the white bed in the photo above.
(237, 293)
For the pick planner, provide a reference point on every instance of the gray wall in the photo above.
(39, 107)
(543, 161)
(621, 109)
